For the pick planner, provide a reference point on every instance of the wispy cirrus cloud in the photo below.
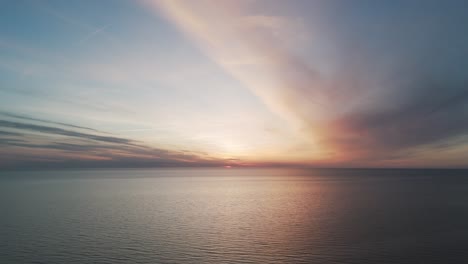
(63, 132)
(379, 102)
(23, 117)
(92, 34)
(22, 142)
(8, 133)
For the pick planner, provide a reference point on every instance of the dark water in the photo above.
(234, 216)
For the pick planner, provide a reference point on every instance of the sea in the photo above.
(221, 215)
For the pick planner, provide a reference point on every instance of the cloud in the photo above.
(64, 132)
(93, 34)
(12, 115)
(63, 148)
(7, 133)
(248, 46)
(381, 102)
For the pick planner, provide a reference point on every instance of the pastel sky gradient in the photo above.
(323, 83)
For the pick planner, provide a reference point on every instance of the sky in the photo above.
(183, 83)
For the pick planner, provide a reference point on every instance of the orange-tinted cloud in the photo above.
(357, 114)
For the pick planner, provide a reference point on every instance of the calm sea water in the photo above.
(234, 216)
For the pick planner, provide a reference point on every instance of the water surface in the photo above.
(234, 216)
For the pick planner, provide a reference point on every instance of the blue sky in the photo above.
(315, 83)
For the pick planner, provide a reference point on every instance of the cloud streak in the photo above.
(358, 113)
(23, 117)
(63, 148)
(93, 34)
(63, 132)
